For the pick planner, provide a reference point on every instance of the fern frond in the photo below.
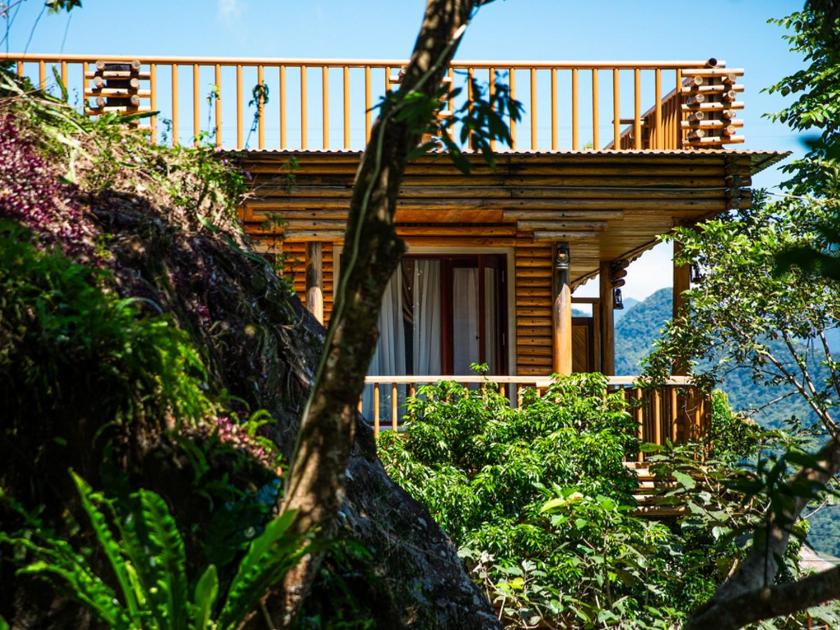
(268, 558)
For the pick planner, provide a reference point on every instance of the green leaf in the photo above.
(206, 591)
(109, 545)
(686, 481)
(268, 558)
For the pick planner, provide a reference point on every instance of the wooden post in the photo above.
(314, 281)
(682, 282)
(605, 304)
(562, 311)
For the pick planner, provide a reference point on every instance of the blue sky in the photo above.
(734, 30)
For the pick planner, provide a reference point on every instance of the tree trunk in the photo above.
(372, 251)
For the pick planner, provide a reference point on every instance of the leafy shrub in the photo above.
(538, 499)
(146, 555)
(31, 193)
(62, 338)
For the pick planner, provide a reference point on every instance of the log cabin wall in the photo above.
(608, 206)
(532, 308)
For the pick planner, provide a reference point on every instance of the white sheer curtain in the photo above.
(389, 356)
(464, 319)
(426, 309)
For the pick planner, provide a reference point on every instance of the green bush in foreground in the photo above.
(540, 503)
(146, 555)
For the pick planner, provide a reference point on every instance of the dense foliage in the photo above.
(540, 502)
(117, 390)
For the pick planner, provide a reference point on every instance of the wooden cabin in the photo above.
(608, 156)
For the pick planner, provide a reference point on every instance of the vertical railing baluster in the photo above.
(674, 413)
(175, 105)
(218, 79)
(533, 77)
(554, 109)
(303, 142)
(84, 82)
(491, 87)
(325, 107)
(239, 117)
(375, 409)
(657, 416)
(596, 141)
(196, 106)
(678, 111)
(575, 144)
(470, 96)
(261, 107)
(394, 406)
(637, 108)
(451, 99)
(42, 75)
(656, 135)
(638, 414)
(616, 112)
(367, 104)
(20, 68)
(346, 105)
(512, 76)
(152, 102)
(282, 98)
(64, 74)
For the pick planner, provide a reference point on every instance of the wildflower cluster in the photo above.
(31, 193)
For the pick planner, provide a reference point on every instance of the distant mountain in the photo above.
(629, 303)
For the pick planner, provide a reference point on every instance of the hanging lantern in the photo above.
(618, 303)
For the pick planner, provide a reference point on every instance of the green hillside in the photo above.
(642, 324)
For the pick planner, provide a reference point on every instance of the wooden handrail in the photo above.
(676, 410)
(356, 63)
(306, 110)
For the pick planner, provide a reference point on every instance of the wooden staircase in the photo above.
(648, 491)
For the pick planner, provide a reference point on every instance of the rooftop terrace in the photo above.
(329, 104)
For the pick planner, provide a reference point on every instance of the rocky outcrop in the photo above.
(263, 347)
(258, 345)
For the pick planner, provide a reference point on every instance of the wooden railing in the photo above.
(677, 411)
(318, 104)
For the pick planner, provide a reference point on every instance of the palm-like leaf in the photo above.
(152, 542)
(268, 558)
(109, 545)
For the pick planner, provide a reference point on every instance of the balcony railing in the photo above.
(677, 411)
(328, 104)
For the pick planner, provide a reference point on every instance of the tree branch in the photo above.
(835, 377)
(767, 603)
(761, 565)
(372, 251)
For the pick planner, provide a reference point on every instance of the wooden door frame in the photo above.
(509, 268)
(479, 261)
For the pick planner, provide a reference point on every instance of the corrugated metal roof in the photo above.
(759, 159)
